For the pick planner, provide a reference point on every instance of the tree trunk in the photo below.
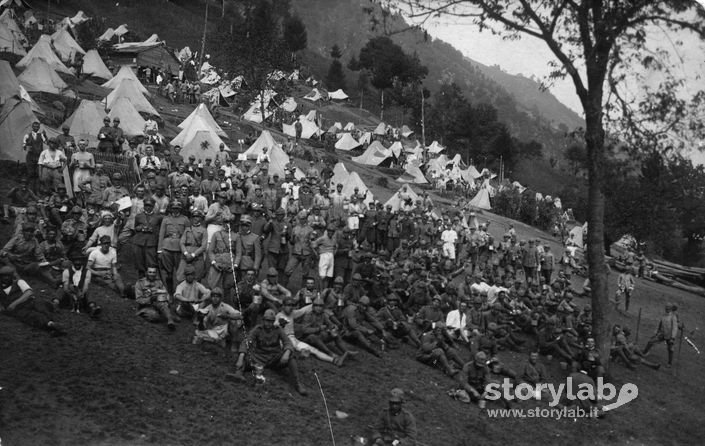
(381, 112)
(601, 309)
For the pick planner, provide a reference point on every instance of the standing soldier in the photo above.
(248, 252)
(194, 242)
(118, 136)
(169, 248)
(301, 253)
(146, 238)
(106, 136)
(667, 331)
(33, 144)
(276, 245)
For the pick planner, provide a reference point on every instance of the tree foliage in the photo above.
(295, 35)
(335, 78)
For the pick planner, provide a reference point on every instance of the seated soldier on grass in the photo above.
(220, 319)
(153, 299)
(102, 264)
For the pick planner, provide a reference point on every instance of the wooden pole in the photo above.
(203, 42)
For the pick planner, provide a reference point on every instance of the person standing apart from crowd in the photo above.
(33, 144)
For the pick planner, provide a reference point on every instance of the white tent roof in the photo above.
(185, 54)
(16, 120)
(289, 104)
(42, 49)
(406, 131)
(131, 122)
(381, 129)
(254, 113)
(340, 174)
(349, 127)
(40, 77)
(202, 144)
(338, 94)
(265, 140)
(435, 147)
(366, 138)
(125, 73)
(354, 181)
(481, 200)
(278, 161)
(121, 30)
(107, 35)
(308, 128)
(79, 18)
(335, 128)
(375, 154)
(202, 112)
(129, 89)
(314, 95)
(412, 174)
(7, 20)
(10, 42)
(86, 121)
(65, 45)
(404, 196)
(197, 123)
(396, 148)
(346, 142)
(94, 65)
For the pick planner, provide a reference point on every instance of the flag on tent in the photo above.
(412, 174)
(347, 143)
(94, 66)
(202, 112)
(197, 123)
(314, 95)
(129, 89)
(42, 50)
(380, 130)
(126, 73)
(481, 200)
(404, 198)
(338, 95)
(86, 120)
(65, 45)
(131, 123)
(202, 144)
(406, 131)
(40, 77)
(375, 155)
(265, 140)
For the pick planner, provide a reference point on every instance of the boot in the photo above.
(294, 370)
(670, 357)
(339, 360)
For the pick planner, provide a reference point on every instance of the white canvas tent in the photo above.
(265, 140)
(354, 181)
(42, 49)
(338, 95)
(577, 235)
(125, 72)
(79, 18)
(16, 120)
(107, 35)
(289, 105)
(202, 112)
(7, 20)
(340, 174)
(308, 128)
(314, 95)
(94, 65)
(335, 128)
(85, 122)
(202, 144)
(349, 127)
(121, 30)
(131, 122)
(396, 148)
(197, 123)
(404, 198)
(481, 200)
(380, 130)
(412, 174)
(435, 148)
(65, 45)
(278, 161)
(40, 77)
(129, 89)
(375, 155)
(254, 113)
(346, 143)
(10, 42)
(406, 131)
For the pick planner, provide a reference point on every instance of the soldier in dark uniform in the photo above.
(106, 136)
(118, 136)
(33, 144)
(395, 425)
(194, 242)
(146, 238)
(248, 251)
(169, 248)
(276, 244)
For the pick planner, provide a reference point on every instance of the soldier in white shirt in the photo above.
(51, 164)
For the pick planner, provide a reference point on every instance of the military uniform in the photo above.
(170, 232)
(146, 240)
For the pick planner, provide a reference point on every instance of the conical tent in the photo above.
(16, 120)
(278, 160)
(375, 155)
(125, 73)
(10, 42)
(203, 144)
(121, 30)
(354, 181)
(406, 131)
(308, 128)
(405, 196)
(42, 49)
(94, 65)
(40, 77)
(7, 21)
(9, 86)
(381, 129)
(396, 148)
(129, 89)
(314, 95)
(338, 94)
(412, 174)
(85, 122)
(340, 174)
(107, 35)
(202, 112)
(265, 140)
(481, 200)
(131, 122)
(347, 143)
(196, 124)
(65, 45)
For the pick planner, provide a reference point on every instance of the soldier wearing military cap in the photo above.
(395, 425)
(115, 191)
(301, 252)
(275, 245)
(106, 136)
(248, 249)
(194, 242)
(169, 247)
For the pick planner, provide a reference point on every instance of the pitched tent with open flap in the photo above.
(65, 45)
(265, 140)
(94, 66)
(412, 174)
(42, 49)
(375, 155)
(131, 122)
(202, 144)
(354, 181)
(125, 73)
(202, 112)
(86, 120)
(404, 196)
(129, 89)
(347, 143)
(195, 124)
(481, 200)
(40, 77)
(16, 120)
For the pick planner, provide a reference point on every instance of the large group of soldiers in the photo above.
(224, 244)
